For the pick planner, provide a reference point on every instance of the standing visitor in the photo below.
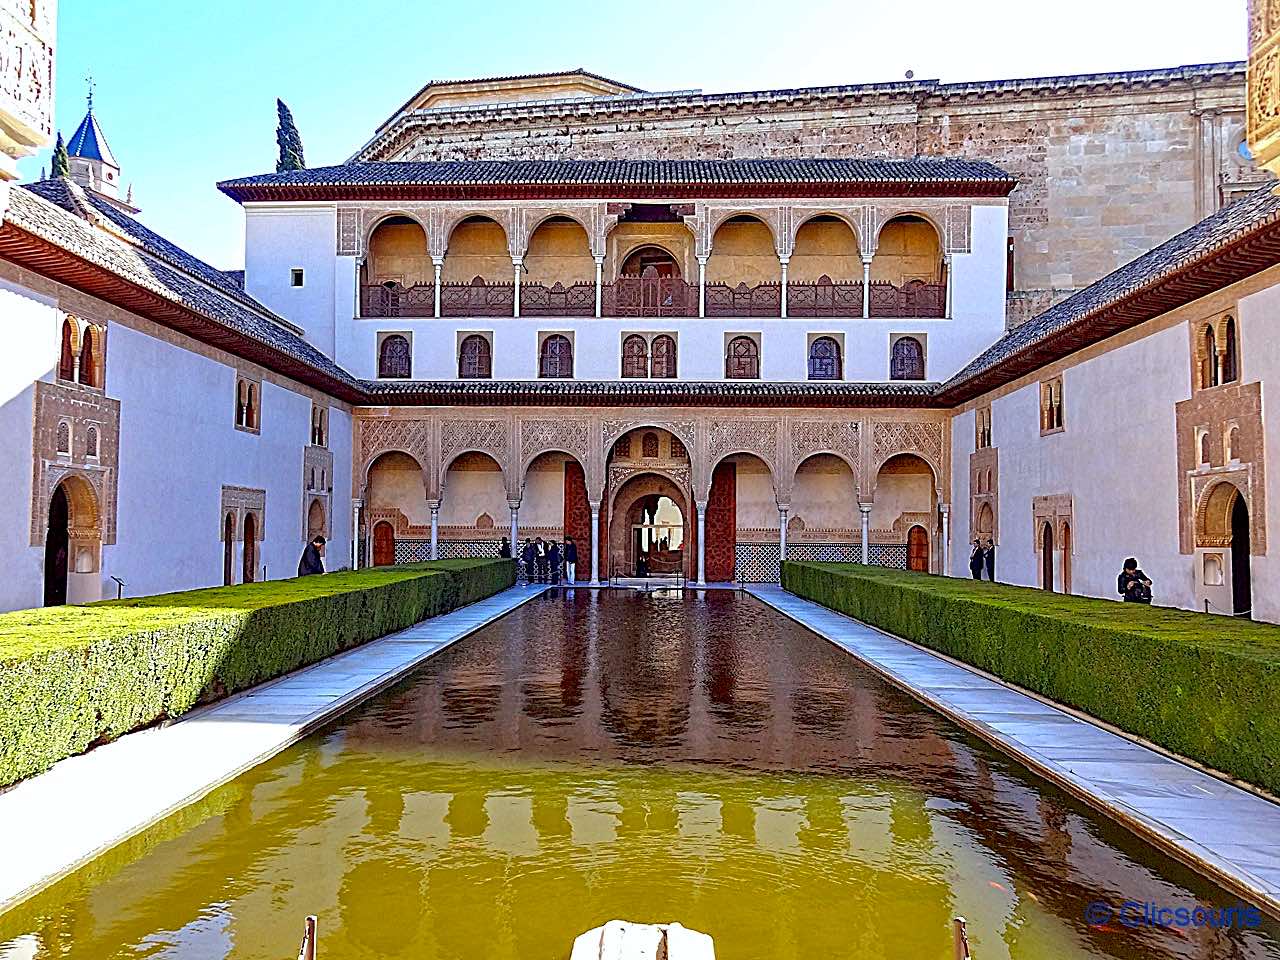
(540, 552)
(1132, 584)
(570, 560)
(530, 557)
(976, 560)
(504, 549)
(989, 560)
(312, 561)
(553, 561)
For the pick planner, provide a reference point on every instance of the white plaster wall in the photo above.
(1117, 458)
(543, 501)
(978, 308)
(32, 340)
(1260, 360)
(825, 494)
(469, 493)
(757, 503)
(281, 237)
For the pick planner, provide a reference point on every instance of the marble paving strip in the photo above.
(84, 805)
(1215, 827)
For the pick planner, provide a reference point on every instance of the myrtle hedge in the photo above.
(74, 676)
(1204, 687)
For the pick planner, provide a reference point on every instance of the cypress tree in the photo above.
(61, 163)
(289, 141)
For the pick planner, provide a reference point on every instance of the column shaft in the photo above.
(866, 287)
(782, 531)
(865, 510)
(516, 264)
(515, 524)
(783, 311)
(437, 263)
(595, 544)
(947, 266)
(599, 286)
(702, 542)
(435, 530)
(702, 286)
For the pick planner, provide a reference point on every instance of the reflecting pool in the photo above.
(649, 757)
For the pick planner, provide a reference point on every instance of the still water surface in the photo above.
(646, 757)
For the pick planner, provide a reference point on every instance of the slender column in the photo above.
(355, 533)
(702, 286)
(438, 264)
(945, 509)
(783, 510)
(946, 260)
(784, 261)
(599, 285)
(702, 542)
(515, 523)
(866, 287)
(865, 510)
(435, 528)
(595, 542)
(517, 263)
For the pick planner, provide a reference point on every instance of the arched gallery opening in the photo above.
(904, 508)
(72, 546)
(649, 527)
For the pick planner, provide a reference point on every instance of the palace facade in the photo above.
(696, 333)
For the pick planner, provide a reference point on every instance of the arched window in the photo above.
(1209, 363)
(635, 357)
(1204, 447)
(91, 442)
(251, 408)
(88, 367)
(664, 357)
(677, 449)
(556, 357)
(242, 403)
(824, 359)
(1230, 355)
(742, 359)
(317, 432)
(311, 479)
(250, 547)
(475, 360)
(1233, 445)
(393, 358)
(67, 359)
(649, 445)
(324, 426)
(64, 437)
(907, 359)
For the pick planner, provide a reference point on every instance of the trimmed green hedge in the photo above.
(1204, 687)
(71, 677)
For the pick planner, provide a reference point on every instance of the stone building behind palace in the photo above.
(697, 333)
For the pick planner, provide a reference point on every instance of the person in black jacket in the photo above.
(989, 559)
(530, 557)
(312, 561)
(976, 560)
(553, 561)
(504, 549)
(570, 560)
(1132, 584)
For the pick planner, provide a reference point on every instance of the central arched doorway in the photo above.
(57, 543)
(650, 528)
(1241, 572)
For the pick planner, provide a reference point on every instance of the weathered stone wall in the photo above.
(1108, 165)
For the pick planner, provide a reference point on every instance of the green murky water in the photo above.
(644, 757)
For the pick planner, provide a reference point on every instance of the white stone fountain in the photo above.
(623, 940)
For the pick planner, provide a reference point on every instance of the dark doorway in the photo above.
(663, 263)
(1046, 557)
(56, 545)
(1241, 575)
(918, 550)
(250, 548)
(229, 550)
(384, 544)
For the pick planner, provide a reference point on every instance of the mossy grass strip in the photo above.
(1204, 687)
(74, 676)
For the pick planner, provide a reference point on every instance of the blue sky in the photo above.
(186, 91)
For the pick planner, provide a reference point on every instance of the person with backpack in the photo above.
(1133, 584)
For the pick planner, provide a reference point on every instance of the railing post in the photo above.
(599, 288)
(437, 263)
(866, 287)
(784, 261)
(308, 949)
(702, 286)
(959, 940)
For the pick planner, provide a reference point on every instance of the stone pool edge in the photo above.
(1197, 854)
(98, 800)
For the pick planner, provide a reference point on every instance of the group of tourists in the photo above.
(545, 561)
(983, 559)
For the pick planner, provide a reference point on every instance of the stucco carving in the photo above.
(72, 412)
(758, 436)
(379, 436)
(891, 437)
(808, 437)
(489, 436)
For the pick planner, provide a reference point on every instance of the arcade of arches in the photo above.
(709, 494)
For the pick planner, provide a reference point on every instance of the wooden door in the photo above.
(918, 550)
(384, 544)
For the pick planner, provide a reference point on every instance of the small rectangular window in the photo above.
(295, 277)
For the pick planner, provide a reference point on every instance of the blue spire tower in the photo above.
(92, 163)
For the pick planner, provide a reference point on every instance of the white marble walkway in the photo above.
(1217, 828)
(85, 805)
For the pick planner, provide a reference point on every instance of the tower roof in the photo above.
(89, 141)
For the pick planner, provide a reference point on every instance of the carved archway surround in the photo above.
(783, 440)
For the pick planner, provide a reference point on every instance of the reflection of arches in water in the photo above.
(646, 672)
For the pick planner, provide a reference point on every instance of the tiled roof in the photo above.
(1152, 284)
(630, 392)
(50, 212)
(90, 142)
(64, 193)
(463, 173)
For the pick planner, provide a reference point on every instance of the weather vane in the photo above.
(88, 78)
